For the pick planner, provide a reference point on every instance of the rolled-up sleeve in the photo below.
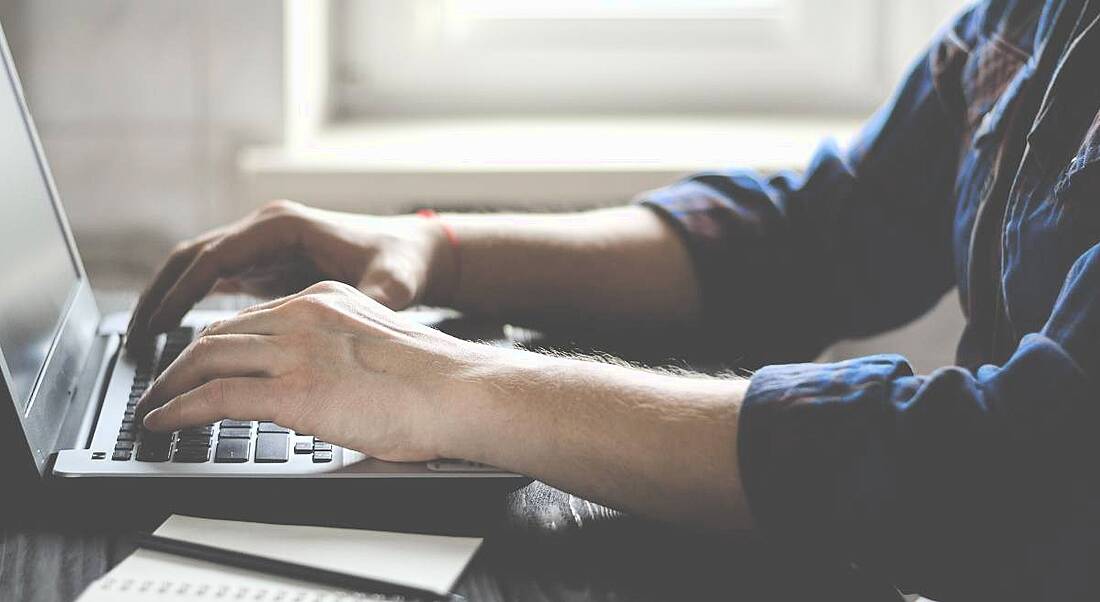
(856, 244)
(954, 483)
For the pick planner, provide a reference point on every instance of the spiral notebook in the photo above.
(429, 562)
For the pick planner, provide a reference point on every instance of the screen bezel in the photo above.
(53, 391)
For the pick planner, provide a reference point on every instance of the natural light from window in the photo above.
(616, 9)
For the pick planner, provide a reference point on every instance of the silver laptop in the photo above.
(70, 389)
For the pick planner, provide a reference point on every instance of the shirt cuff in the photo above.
(742, 266)
(801, 426)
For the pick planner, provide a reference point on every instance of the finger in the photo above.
(228, 256)
(285, 276)
(238, 398)
(229, 286)
(137, 332)
(387, 295)
(210, 358)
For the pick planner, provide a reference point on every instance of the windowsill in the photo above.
(550, 163)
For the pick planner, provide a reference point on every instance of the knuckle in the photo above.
(343, 289)
(398, 290)
(206, 252)
(310, 304)
(200, 346)
(280, 219)
(198, 354)
(173, 410)
(278, 206)
(212, 395)
(210, 329)
(181, 247)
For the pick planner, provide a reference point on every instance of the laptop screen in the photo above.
(37, 272)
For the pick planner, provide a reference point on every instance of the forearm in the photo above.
(622, 264)
(655, 444)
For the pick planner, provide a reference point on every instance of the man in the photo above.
(974, 482)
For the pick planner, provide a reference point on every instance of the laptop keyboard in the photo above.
(228, 441)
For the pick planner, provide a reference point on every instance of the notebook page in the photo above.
(430, 562)
(148, 575)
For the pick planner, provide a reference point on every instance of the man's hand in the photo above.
(328, 361)
(331, 362)
(285, 247)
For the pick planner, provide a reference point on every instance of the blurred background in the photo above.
(162, 118)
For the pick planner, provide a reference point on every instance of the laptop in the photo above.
(69, 389)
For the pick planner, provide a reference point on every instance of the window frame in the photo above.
(768, 66)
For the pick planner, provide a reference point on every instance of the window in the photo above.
(471, 57)
(394, 104)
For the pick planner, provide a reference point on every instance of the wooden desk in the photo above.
(543, 545)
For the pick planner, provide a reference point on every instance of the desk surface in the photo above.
(544, 545)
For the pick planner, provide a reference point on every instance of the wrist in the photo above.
(485, 406)
(444, 262)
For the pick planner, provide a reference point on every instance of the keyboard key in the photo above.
(193, 443)
(198, 430)
(153, 447)
(232, 450)
(124, 446)
(271, 447)
(236, 423)
(303, 447)
(191, 455)
(156, 437)
(121, 455)
(271, 427)
(192, 448)
(322, 457)
(322, 446)
(235, 433)
(126, 436)
(153, 452)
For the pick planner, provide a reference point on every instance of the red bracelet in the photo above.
(452, 241)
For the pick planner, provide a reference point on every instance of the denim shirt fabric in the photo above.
(978, 481)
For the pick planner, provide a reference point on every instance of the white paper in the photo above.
(431, 562)
(148, 575)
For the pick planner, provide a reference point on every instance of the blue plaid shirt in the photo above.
(978, 481)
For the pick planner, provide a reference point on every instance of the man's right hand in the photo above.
(285, 247)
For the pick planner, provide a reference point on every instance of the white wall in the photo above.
(142, 108)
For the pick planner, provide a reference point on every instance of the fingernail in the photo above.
(150, 418)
